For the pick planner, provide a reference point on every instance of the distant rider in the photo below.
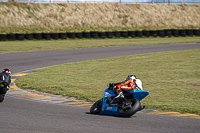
(5, 80)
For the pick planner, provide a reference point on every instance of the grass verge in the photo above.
(172, 78)
(19, 17)
(30, 46)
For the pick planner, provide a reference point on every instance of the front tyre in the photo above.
(135, 106)
(96, 107)
(2, 97)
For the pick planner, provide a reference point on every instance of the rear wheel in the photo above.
(135, 106)
(96, 107)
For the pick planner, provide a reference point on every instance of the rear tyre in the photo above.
(131, 111)
(96, 107)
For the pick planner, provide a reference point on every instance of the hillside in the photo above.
(18, 17)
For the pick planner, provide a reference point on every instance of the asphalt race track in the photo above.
(19, 115)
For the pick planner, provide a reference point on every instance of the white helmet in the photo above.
(131, 77)
(138, 82)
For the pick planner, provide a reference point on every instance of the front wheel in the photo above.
(96, 107)
(2, 97)
(135, 106)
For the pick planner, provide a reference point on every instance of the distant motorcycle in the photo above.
(125, 106)
(5, 80)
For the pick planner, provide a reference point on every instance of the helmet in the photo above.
(6, 70)
(131, 77)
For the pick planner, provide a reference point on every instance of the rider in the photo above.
(128, 85)
(5, 80)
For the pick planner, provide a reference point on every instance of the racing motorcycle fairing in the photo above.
(106, 108)
(139, 94)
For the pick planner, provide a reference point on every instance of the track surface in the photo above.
(20, 115)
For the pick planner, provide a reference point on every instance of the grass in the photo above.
(17, 17)
(29, 46)
(172, 78)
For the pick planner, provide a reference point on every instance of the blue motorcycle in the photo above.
(126, 105)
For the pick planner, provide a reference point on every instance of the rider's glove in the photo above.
(115, 88)
(111, 86)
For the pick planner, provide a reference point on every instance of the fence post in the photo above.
(152, 1)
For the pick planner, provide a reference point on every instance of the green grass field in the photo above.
(172, 78)
(29, 46)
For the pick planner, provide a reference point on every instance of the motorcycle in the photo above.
(126, 105)
(5, 80)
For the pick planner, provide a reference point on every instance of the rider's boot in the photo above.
(142, 107)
